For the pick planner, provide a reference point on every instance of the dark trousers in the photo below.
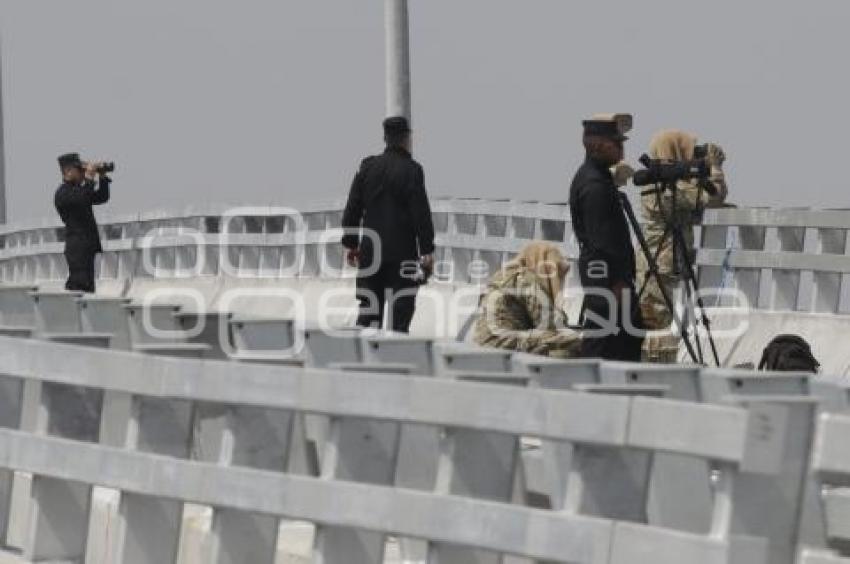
(80, 271)
(623, 342)
(386, 288)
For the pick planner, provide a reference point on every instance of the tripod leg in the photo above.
(690, 311)
(693, 286)
(689, 315)
(706, 322)
(653, 270)
(654, 262)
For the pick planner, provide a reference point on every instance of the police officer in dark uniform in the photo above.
(74, 200)
(611, 316)
(394, 252)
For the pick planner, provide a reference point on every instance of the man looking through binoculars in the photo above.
(74, 200)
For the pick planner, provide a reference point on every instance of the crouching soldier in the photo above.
(520, 311)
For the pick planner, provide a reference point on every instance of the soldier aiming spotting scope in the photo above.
(665, 172)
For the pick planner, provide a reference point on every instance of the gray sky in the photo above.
(276, 101)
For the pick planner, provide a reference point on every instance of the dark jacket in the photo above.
(74, 203)
(601, 227)
(388, 196)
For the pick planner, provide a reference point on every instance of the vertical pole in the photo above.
(398, 58)
(2, 148)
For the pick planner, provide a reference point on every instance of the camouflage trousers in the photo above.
(662, 343)
(663, 348)
(656, 314)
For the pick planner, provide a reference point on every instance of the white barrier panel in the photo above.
(356, 492)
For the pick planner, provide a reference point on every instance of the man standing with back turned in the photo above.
(74, 200)
(395, 251)
(606, 259)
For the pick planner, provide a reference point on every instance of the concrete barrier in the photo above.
(176, 433)
(152, 450)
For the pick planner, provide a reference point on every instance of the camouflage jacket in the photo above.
(516, 314)
(690, 201)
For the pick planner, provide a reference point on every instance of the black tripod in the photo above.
(692, 289)
(674, 230)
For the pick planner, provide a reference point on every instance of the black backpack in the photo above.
(788, 353)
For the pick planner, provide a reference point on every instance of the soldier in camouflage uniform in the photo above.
(658, 209)
(520, 309)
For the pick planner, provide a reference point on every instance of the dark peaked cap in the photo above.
(70, 159)
(602, 129)
(396, 125)
(614, 126)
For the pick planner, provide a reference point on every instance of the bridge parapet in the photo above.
(786, 260)
(791, 259)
